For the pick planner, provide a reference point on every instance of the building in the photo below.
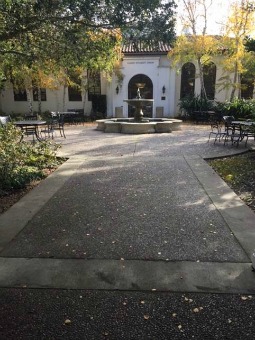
(147, 65)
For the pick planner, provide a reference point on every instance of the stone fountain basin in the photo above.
(130, 126)
(139, 102)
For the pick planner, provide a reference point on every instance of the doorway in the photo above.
(145, 92)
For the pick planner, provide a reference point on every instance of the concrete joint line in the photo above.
(127, 275)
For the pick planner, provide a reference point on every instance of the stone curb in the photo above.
(131, 275)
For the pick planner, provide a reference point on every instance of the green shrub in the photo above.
(22, 162)
(239, 108)
(195, 103)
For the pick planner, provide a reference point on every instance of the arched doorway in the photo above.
(146, 92)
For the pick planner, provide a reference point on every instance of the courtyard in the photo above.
(134, 237)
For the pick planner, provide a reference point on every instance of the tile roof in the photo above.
(142, 47)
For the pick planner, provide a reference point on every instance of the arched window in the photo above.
(209, 73)
(247, 87)
(188, 80)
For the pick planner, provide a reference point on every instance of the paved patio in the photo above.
(134, 237)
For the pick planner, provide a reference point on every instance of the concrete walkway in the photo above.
(134, 237)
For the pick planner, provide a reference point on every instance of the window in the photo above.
(188, 80)
(74, 90)
(74, 94)
(20, 95)
(94, 84)
(247, 88)
(209, 72)
(43, 94)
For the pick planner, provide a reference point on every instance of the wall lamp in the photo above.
(117, 90)
(164, 89)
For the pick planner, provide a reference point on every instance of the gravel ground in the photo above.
(94, 315)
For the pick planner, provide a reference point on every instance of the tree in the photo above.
(195, 45)
(237, 60)
(158, 26)
(56, 24)
(71, 34)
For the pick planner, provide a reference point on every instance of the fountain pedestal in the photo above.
(138, 103)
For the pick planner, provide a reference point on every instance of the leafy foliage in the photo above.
(62, 29)
(22, 162)
(238, 60)
(195, 103)
(239, 108)
(156, 26)
(43, 40)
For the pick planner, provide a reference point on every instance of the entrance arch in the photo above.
(146, 92)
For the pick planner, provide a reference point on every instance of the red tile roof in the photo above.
(142, 47)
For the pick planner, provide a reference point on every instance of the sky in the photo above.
(217, 15)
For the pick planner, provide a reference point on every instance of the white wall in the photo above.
(221, 95)
(158, 70)
(54, 102)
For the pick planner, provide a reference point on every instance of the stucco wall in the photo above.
(54, 102)
(221, 94)
(158, 70)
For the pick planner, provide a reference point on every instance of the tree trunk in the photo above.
(39, 101)
(29, 99)
(201, 76)
(84, 87)
(239, 85)
(232, 95)
(64, 99)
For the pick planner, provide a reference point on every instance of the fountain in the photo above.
(138, 124)
(138, 103)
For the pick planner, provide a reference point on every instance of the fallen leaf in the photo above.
(146, 317)
(142, 302)
(244, 298)
(174, 315)
(67, 322)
